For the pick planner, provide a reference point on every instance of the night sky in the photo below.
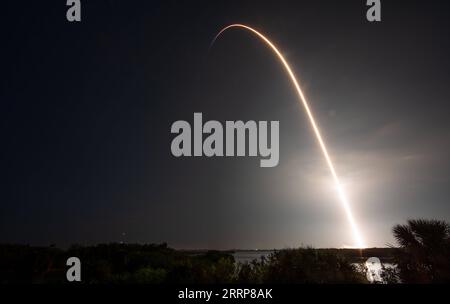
(86, 111)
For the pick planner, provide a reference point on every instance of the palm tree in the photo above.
(424, 255)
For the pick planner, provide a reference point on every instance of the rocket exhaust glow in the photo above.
(341, 194)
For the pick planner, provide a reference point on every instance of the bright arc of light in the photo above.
(342, 197)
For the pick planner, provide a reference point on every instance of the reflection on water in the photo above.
(374, 268)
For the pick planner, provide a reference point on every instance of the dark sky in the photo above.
(86, 111)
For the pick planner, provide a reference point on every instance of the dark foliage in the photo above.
(151, 264)
(423, 257)
(303, 265)
(424, 254)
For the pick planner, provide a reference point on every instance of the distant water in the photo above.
(248, 256)
(373, 275)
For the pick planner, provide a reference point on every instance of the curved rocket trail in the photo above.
(342, 197)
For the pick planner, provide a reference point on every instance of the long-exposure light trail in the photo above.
(340, 191)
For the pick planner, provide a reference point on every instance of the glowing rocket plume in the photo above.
(342, 197)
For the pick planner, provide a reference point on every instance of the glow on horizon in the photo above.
(341, 194)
